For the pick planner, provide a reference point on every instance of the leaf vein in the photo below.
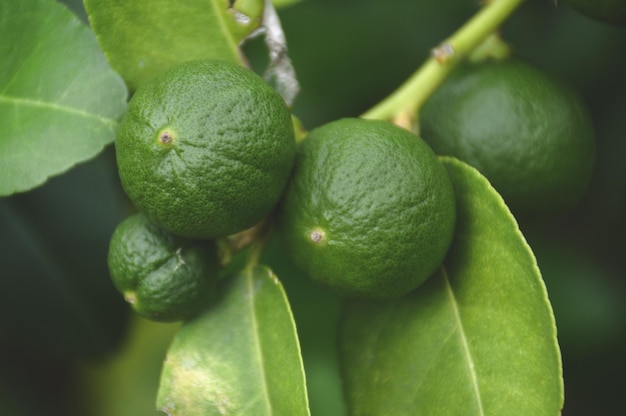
(257, 342)
(56, 107)
(219, 13)
(464, 343)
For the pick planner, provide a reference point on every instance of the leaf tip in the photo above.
(273, 277)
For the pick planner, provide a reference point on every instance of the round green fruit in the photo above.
(370, 210)
(205, 150)
(609, 11)
(530, 135)
(164, 277)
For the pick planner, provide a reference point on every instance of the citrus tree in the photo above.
(414, 209)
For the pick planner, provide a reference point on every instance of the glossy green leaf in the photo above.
(240, 357)
(478, 338)
(59, 100)
(143, 38)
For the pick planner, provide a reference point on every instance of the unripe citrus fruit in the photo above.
(164, 277)
(206, 149)
(530, 135)
(370, 210)
(609, 11)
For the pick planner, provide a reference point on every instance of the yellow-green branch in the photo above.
(409, 97)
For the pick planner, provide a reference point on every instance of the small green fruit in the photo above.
(162, 276)
(529, 134)
(205, 150)
(370, 210)
(609, 11)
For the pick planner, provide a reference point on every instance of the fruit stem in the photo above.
(402, 106)
(257, 248)
(233, 244)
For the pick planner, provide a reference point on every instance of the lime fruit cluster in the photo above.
(369, 211)
(164, 277)
(529, 134)
(205, 149)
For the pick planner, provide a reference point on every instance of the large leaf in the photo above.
(143, 38)
(241, 357)
(59, 100)
(478, 338)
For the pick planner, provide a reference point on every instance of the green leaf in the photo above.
(143, 38)
(59, 100)
(240, 357)
(478, 338)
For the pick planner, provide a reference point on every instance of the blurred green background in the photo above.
(69, 346)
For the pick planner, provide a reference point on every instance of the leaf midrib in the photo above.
(230, 39)
(250, 278)
(471, 368)
(55, 107)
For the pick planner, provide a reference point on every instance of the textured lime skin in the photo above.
(530, 135)
(163, 277)
(206, 149)
(609, 11)
(370, 210)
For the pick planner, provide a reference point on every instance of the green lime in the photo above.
(164, 277)
(370, 210)
(609, 11)
(206, 149)
(529, 134)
